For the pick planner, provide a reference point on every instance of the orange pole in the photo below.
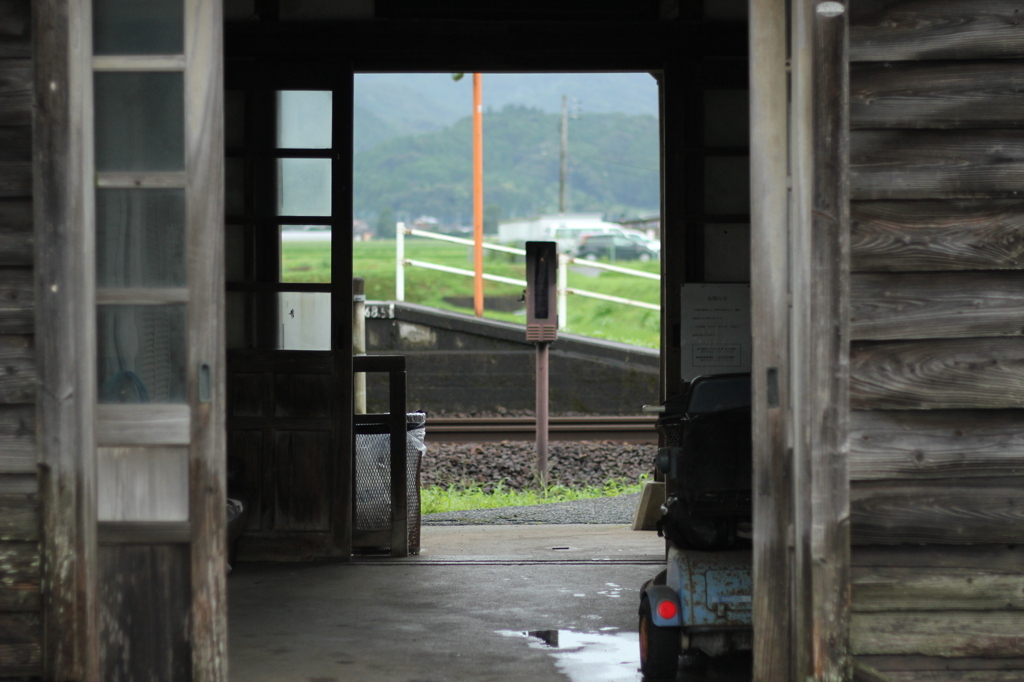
(478, 198)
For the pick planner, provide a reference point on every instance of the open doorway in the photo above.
(570, 158)
(704, 171)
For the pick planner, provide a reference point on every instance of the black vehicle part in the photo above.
(689, 531)
(708, 461)
(659, 647)
(714, 471)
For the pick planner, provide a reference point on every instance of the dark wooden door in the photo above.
(281, 438)
(289, 330)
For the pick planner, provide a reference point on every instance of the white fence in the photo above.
(563, 262)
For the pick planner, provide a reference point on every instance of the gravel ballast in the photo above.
(574, 464)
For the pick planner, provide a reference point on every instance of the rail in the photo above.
(564, 290)
(638, 429)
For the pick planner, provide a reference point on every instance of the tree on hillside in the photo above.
(386, 223)
(492, 214)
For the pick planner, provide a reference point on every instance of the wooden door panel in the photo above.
(144, 600)
(281, 428)
(142, 484)
(303, 395)
(246, 395)
(302, 492)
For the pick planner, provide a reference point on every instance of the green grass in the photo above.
(375, 262)
(461, 498)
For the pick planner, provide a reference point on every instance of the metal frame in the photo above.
(398, 536)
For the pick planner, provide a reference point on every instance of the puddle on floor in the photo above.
(604, 656)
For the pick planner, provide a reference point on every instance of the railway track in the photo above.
(493, 430)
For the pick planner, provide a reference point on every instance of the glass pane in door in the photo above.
(140, 121)
(137, 27)
(305, 187)
(140, 238)
(304, 119)
(141, 353)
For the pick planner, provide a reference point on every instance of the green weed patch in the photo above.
(470, 496)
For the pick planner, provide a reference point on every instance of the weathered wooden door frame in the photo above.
(800, 292)
(64, 214)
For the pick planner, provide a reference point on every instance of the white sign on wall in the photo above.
(715, 330)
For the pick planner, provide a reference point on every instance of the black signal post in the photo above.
(542, 329)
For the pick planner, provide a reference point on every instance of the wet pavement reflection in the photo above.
(609, 655)
(603, 656)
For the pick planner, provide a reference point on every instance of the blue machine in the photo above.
(713, 590)
(701, 605)
(712, 593)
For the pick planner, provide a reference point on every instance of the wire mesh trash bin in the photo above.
(373, 476)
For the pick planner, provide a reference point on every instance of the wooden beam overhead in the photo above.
(507, 46)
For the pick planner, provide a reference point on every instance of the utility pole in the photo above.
(565, 154)
(478, 198)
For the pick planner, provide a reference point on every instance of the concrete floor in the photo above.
(459, 611)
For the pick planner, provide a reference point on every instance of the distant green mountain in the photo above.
(613, 167)
(423, 102)
(370, 129)
(409, 108)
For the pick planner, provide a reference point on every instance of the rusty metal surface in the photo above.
(488, 430)
(715, 588)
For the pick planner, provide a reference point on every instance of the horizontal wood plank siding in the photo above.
(936, 235)
(972, 94)
(936, 589)
(20, 561)
(956, 676)
(951, 511)
(16, 300)
(940, 374)
(909, 30)
(931, 164)
(927, 668)
(16, 233)
(16, 92)
(950, 634)
(914, 445)
(15, 29)
(19, 577)
(924, 306)
(937, 368)
(17, 439)
(17, 370)
(20, 644)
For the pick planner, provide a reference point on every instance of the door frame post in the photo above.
(820, 276)
(800, 315)
(65, 336)
(769, 291)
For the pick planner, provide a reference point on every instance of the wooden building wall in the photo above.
(937, 358)
(20, 627)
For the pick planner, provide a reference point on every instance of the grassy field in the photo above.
(375, 262)
(461, 498)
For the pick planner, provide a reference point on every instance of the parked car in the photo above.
(641, 238)
(614, 247)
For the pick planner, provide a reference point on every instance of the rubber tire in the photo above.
(591, 256)
(645, 257)
(659, 647)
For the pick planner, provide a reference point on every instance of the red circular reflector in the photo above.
(667, 610)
